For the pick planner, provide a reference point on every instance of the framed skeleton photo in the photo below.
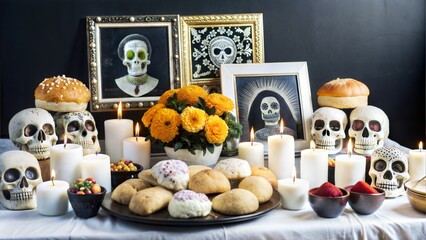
(132, 59)
(266, 93)
(211, 40)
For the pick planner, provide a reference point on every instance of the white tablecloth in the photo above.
(396, 219)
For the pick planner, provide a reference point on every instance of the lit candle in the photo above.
(252, 151)
(349, 168)
(66, 160)
(293, 191)
(52, 198)
(417, 163)
(314, 166)
(116, 130)
(97, 166)
(137, 149)
(281, 153)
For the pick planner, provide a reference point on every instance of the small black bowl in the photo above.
(86, 206)
(365, 203)
(328, 207)
(119, 177)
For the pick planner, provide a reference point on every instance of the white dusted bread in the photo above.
(188, 204)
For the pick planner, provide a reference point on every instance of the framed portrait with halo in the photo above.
(132, 59)
(266, 93)
(211, 40)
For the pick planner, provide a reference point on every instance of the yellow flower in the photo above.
(166, 95)
(191, 93)
(150, 113)
(216, 129)
(221, 102)
(165, 125)
(193, 119)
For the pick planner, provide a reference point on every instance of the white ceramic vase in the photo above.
(198, 159)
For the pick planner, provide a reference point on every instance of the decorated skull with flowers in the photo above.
(190, 118)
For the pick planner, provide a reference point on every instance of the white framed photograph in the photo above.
(265, 93)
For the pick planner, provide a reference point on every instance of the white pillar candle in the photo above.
(293, 192)
(314, 166)
(137, 149)
(349, 169)
(116, 130)
(281, 155)
(66, 160)
(52, 197)
(417, 163)
(252, 152)
(97, 166)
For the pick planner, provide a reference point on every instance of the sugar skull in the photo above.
(222, 50)
(270, 109)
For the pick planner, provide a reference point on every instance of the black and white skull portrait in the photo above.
(135, 52)
(213, 46)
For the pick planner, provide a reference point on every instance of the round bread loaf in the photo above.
(209, 181)
(265, 173)
(234, 168)
(343, 94)
(62, 94)
(188, 204)
(259, 186)
(150, 200)
(124, 192)
(235, 202)
(171, 174)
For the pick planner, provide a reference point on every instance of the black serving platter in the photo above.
(163, 218)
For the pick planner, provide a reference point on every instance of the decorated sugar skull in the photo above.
(222, 50)
(389, 170)
(33, 130)
(369, 128)
(134, 50)
(270, 109)
(79, 128)
(19, 175)
(328, 129)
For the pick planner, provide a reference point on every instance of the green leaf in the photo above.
(191, 150)
(177, 146)
(210, 148)
(202, 102)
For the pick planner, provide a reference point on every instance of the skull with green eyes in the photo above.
(136, 57)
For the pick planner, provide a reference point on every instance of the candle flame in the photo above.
(282, 126)
(137, 131)
(52, 176)
(251, 135)
(350, 147)
(420, 145)
(312, 145)
(293, 174)
(120, 111)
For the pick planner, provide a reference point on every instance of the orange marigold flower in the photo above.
(216, 129)
(221, 102)
(166, 95)
(165, 125)
(150, 113)
(191, 93)
(193, 119)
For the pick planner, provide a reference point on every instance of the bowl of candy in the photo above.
(86, 197)
(123, 170)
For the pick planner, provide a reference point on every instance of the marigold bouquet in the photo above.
(190, 118)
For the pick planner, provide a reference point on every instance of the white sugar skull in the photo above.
(19, 175)
(369, 127)
(134, 50)
(389, 170)
(328, 129)
(33, 130)
(270, 109)
(79, 128)
(222, 50)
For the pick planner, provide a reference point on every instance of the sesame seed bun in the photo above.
(62, 94)
(343, 94)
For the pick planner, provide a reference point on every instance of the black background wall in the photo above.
(380, 42)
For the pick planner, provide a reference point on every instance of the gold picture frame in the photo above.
(210, 40)
(137, 83)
